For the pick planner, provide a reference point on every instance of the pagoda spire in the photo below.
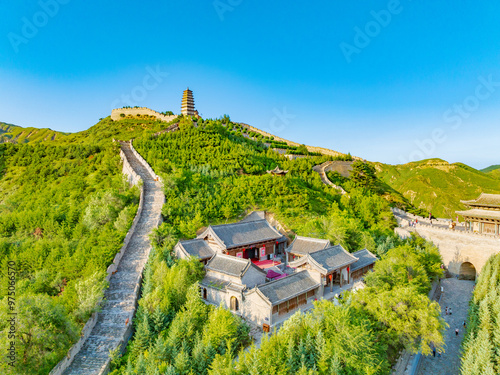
(187, 106)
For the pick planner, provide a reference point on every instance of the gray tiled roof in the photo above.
(230, 265)
(288, 287)
(254, 215)
(245, 233)
(332, 258)
(485, 200)
(306, 245)
(198, 248)
(214, 282)
(365, 259)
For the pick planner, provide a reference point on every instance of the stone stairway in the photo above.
(114, 321)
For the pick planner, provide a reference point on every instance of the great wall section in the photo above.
(464, 253)
(322, 169)
(122, 113)
(111, 327)
(458, 248)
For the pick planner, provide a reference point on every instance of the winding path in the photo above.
(114, 321)
(321, 169)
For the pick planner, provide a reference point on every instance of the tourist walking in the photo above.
(446, 310)
(464, 324)
(434, 352)
(456, 331)
(449, 311)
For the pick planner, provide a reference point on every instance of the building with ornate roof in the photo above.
(197, 248)
(238, 278)
(253, 239)
(302, 246)
(484, 214)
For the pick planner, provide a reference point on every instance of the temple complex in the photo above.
(251, 271)
(187, 106)
(484, 214)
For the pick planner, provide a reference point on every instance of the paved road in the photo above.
(119, 305)
(457, 294)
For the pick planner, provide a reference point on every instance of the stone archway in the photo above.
(467, 271)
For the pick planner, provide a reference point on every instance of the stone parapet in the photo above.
(111, 327)
(116, 114)
(322, 150)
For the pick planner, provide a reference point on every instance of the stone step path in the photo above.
(112, 324)
(457, 294)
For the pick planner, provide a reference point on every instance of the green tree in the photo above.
(44, 331)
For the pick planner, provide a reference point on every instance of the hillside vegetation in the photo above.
(480, 346)
(64, 212)
(17, 134)
(213, 174)
(491, 168)
(437, 186)
(65, 209)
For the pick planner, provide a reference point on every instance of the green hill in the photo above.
(64, 212)
(16, 134)
(491, 168)
(65, 209)
(436, 185)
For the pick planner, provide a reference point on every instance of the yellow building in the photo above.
(484, 214)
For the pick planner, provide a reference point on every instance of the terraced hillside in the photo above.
(436, 185)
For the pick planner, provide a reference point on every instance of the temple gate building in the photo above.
(484, 214)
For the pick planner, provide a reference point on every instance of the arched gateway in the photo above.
(467, 271)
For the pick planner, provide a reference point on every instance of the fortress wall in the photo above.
(145, 164)
(455, 246)
(115, 113)
(459, 247)
(322, 150)
(133, 178)
(127, 170)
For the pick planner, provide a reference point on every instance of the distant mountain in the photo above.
(493, 170)
(16, 134)
(436, 185)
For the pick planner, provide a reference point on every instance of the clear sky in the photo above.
(390, 81)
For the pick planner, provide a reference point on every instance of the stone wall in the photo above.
(116, 114)
(145, 164)
(133, 178)
(321, 170)
(324, 151)
(457, 247)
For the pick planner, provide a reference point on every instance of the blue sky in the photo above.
(390, 81)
